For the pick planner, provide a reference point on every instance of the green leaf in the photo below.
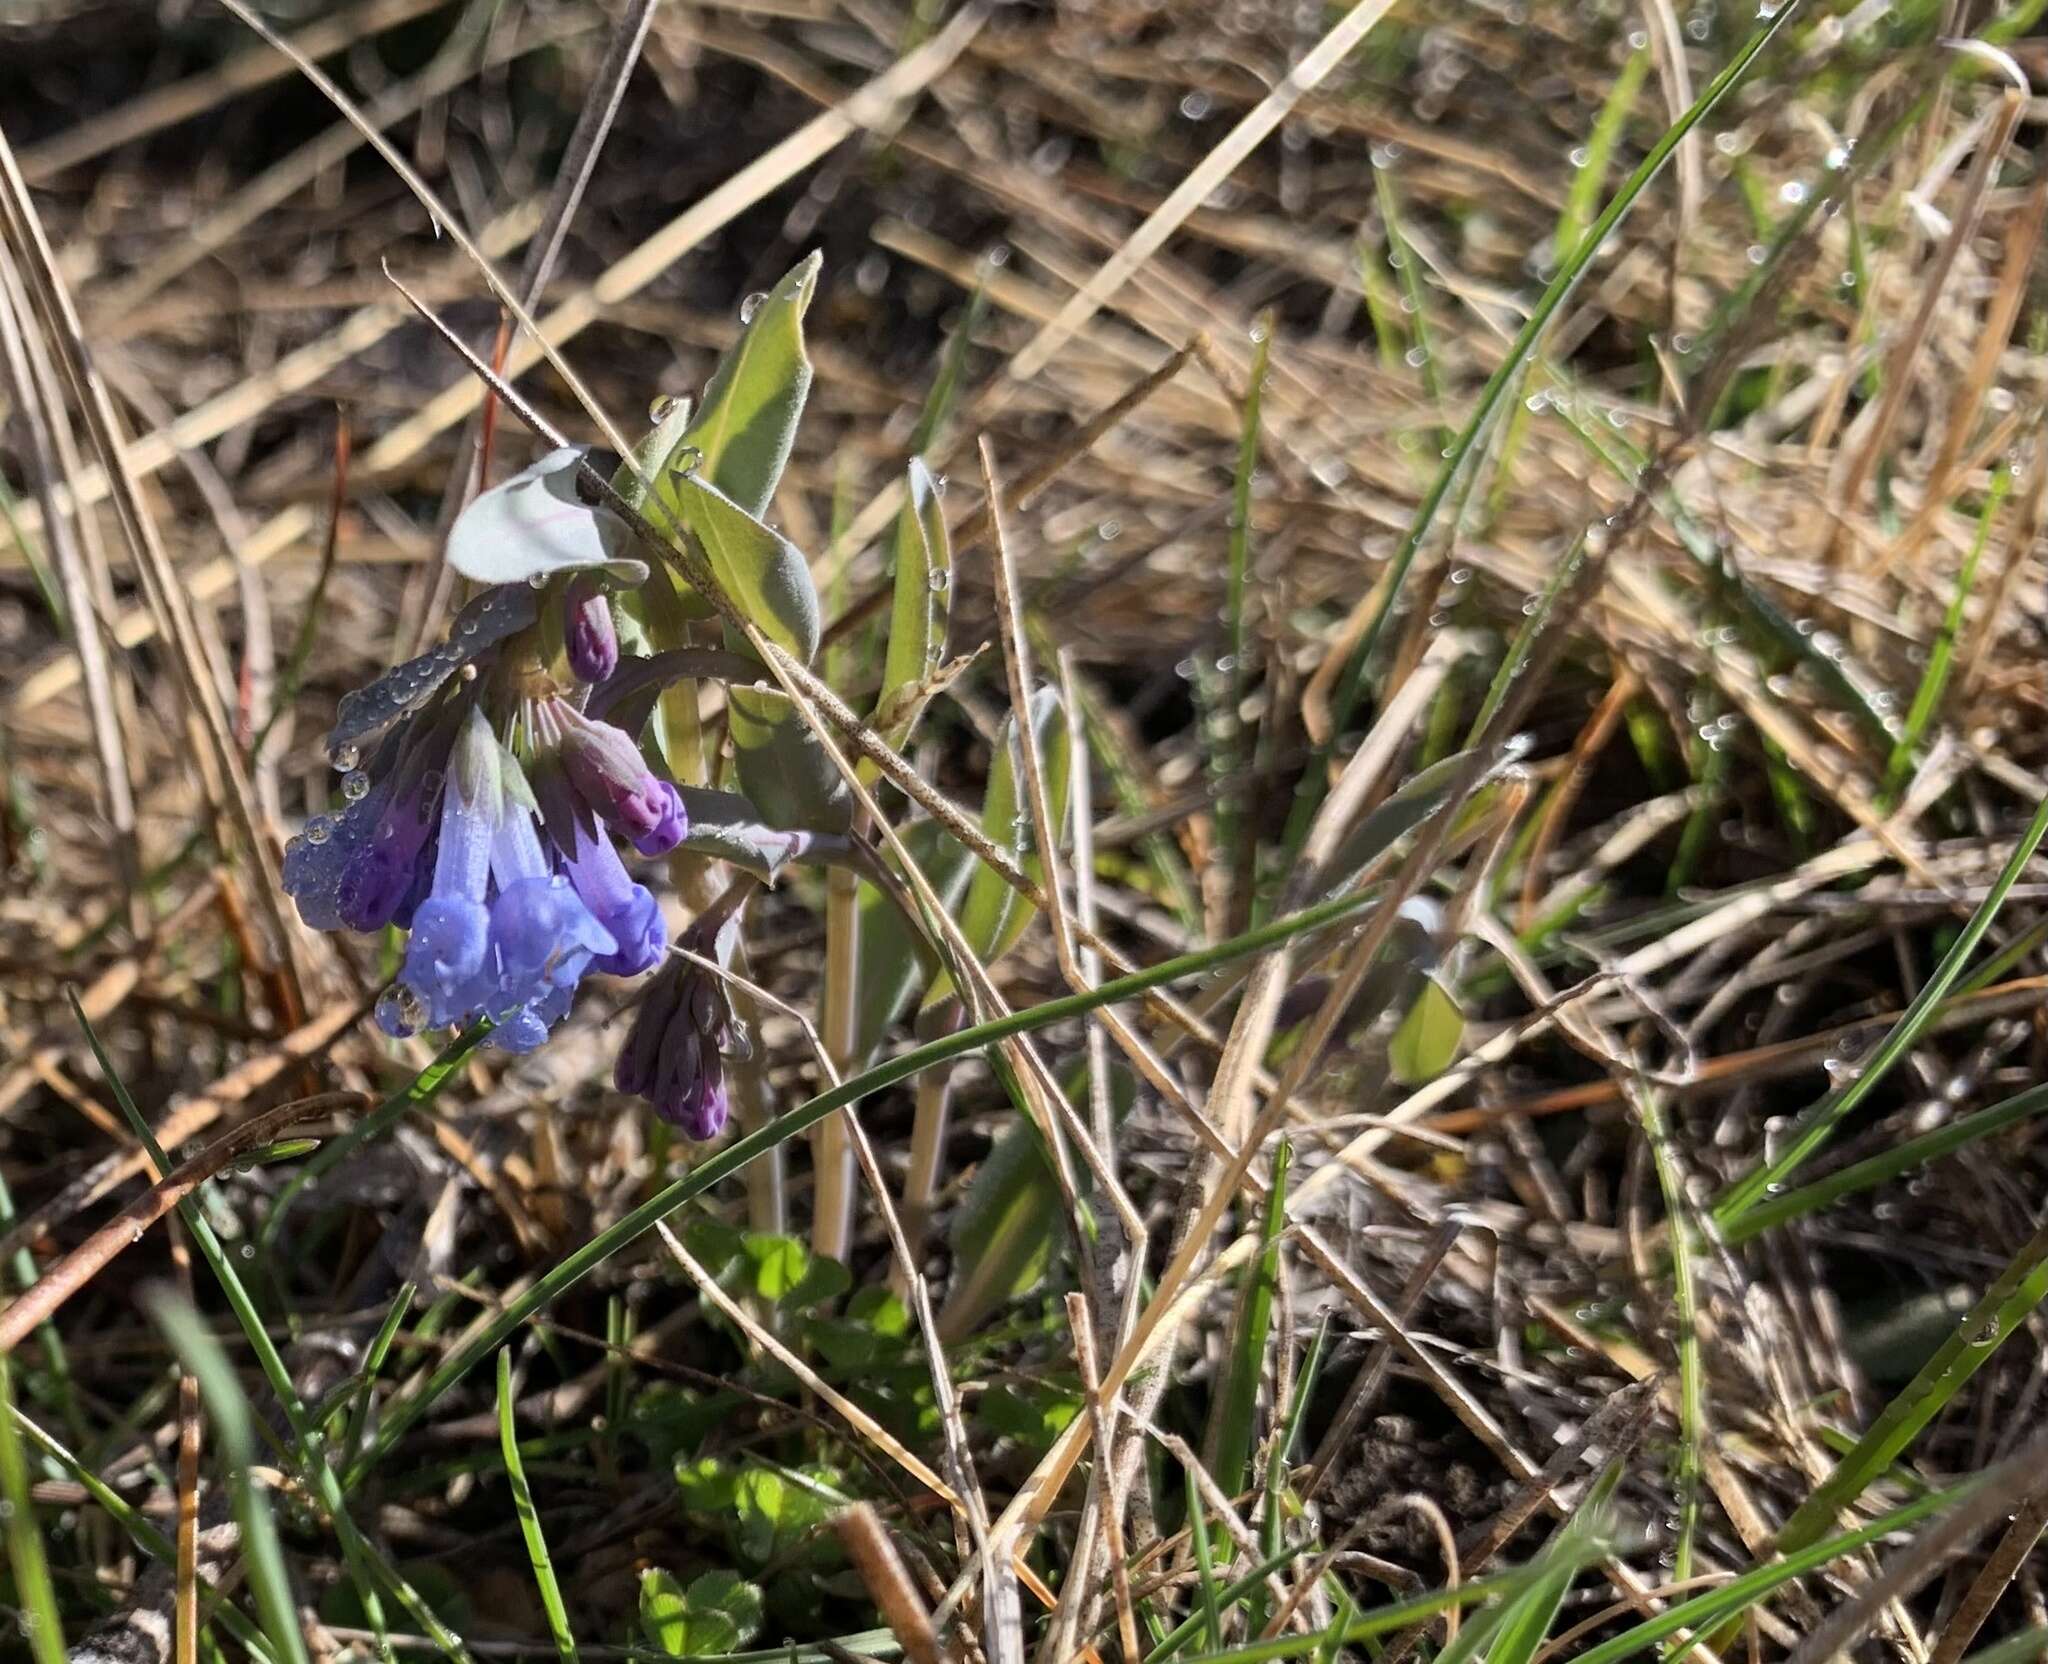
(782, 767)
(1426, 1043)
(728, 826)
(664, 1613)
(764, 573)
(921, 607)
(734, 1599)
(707, 1485)
(995, 915)
(755, 397)
(719, 1613)
(788, 1273)
(1030, 1412)
(875, 1325)
(775, 1509)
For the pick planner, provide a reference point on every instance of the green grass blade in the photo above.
(1233, 1421)
(938, 405)
(1526, 638)
(373, 1364)
(529, 1519)
(39, 1617)
(1205, 1563)
(2015, 1649)
(235, 1428)
(1934, 679)
(1461, 451)
(1888, 1164)
(575, 1266)
(420, 1091)
(1598, 152)
(1229, 754)
(1733, 1598)
(1685, 1313)
(364, 1564)
(2003, 1307)
(1825, 1116)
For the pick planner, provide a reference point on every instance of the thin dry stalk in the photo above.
(881, 1568)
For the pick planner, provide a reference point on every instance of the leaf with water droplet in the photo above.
(756, 395)
(921, 607)
(479, 627)
(765, 574)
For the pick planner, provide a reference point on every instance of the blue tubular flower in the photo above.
(451, 930)
(624, 908)
(542, 934)
(609, 774)
(587, 627)
(675, 1054)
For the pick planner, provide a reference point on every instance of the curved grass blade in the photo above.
(234, 1426)
(1934, 679)
(1825, 1116)
(529, 1520)
(1233, 1420)
(2004, 1306)
(401, 1415)
(1887, 1165)
(37, 1597)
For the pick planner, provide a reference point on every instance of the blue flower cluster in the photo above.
(503, 870)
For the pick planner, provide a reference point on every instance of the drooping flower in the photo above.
(451, 928)
(674, 1055)
(610, 775)
(542, 935)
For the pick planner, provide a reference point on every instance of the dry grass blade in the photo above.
(40, 1302)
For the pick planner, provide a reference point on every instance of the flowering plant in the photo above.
(506, 791)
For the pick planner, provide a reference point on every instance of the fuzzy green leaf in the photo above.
(763, 572)
(782, 767)
(922, 604)
(748, 419)
(1426, 1043)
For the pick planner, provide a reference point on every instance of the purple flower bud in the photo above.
(609, 774)
(674, 1056)
(587, 626)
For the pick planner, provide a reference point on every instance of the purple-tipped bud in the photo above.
(674, 1055)
(609, 774)
(587, 626)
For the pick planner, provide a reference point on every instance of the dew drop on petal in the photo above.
(318, 830)
(355, 785)
(345, 757)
